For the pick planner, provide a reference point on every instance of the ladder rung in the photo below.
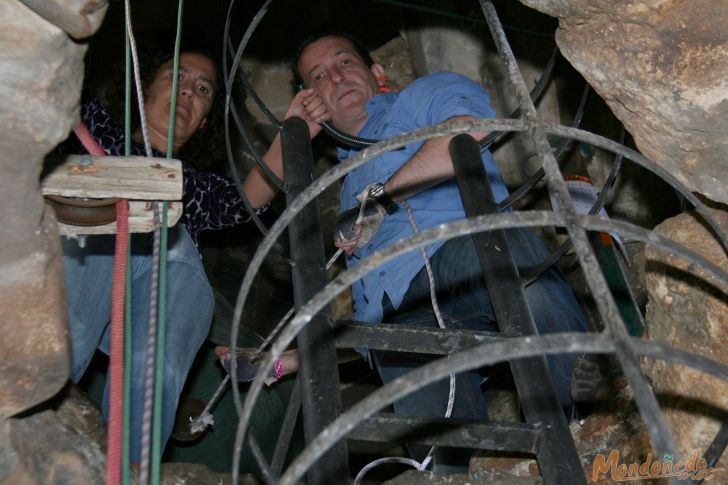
(401, 338)
(387, 427)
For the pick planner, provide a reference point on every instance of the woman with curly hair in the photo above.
(210, 202)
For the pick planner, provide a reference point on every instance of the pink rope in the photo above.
(88, 141)
(116, 358)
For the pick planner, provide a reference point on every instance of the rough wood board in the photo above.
(134, 178)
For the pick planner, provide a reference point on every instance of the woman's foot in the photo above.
(246, 367)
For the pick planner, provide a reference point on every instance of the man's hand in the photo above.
(350, 235)
(309, 106)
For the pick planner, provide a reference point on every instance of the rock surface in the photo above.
(41, 70)
(689, 310)
(662, 66)
(39, 449)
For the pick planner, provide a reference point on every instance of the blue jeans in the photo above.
(190, 305)
(465, 304)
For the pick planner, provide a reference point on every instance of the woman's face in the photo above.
(196, 86)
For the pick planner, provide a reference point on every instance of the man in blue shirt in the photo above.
(343, 87)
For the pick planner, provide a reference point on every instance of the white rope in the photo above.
(451, 397)
(149, 374)
(137, 78)
(435, 306)
(205, 419)
(382, 461)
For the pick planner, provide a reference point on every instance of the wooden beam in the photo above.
(141, 219)
(133, 178)
(139, 179)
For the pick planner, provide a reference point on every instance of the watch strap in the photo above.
(377, 192)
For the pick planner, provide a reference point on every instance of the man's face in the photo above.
(197, 81)
(341, 78)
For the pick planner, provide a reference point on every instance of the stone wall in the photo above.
(688, 310)
(662, 66)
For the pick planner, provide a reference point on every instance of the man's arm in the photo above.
(428, 167)
(307, 105)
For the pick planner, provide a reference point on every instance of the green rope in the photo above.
(162, 304)
(125, 471)
(161, 336)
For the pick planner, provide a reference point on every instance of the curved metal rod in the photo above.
(560, 151)
(228, 146)
(535, 95)
(229, 78)
(364, 156)
(253, 94)
(265, 471)
(447, 231)
(313, 190)
(641, 160)
(576, 122)
(486, 354)
(241, 128)
(595, 208)
(716, 448)
(230, 105)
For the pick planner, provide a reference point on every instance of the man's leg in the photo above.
(552, 303)
(456, 281)
(190, 305)
(465, 303)
(553, 306)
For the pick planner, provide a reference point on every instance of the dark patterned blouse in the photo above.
(210, 200)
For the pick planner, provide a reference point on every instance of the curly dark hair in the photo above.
(206, 147)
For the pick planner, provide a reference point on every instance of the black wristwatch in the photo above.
(376, 192)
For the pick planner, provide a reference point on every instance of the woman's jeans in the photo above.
(190, 306)
(465, 304)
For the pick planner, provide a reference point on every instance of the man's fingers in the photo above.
(316, 109)
(348, 245)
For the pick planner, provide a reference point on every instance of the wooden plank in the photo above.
(141, 219)
(133, 178)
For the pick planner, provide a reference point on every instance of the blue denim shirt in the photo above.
(427, 101)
